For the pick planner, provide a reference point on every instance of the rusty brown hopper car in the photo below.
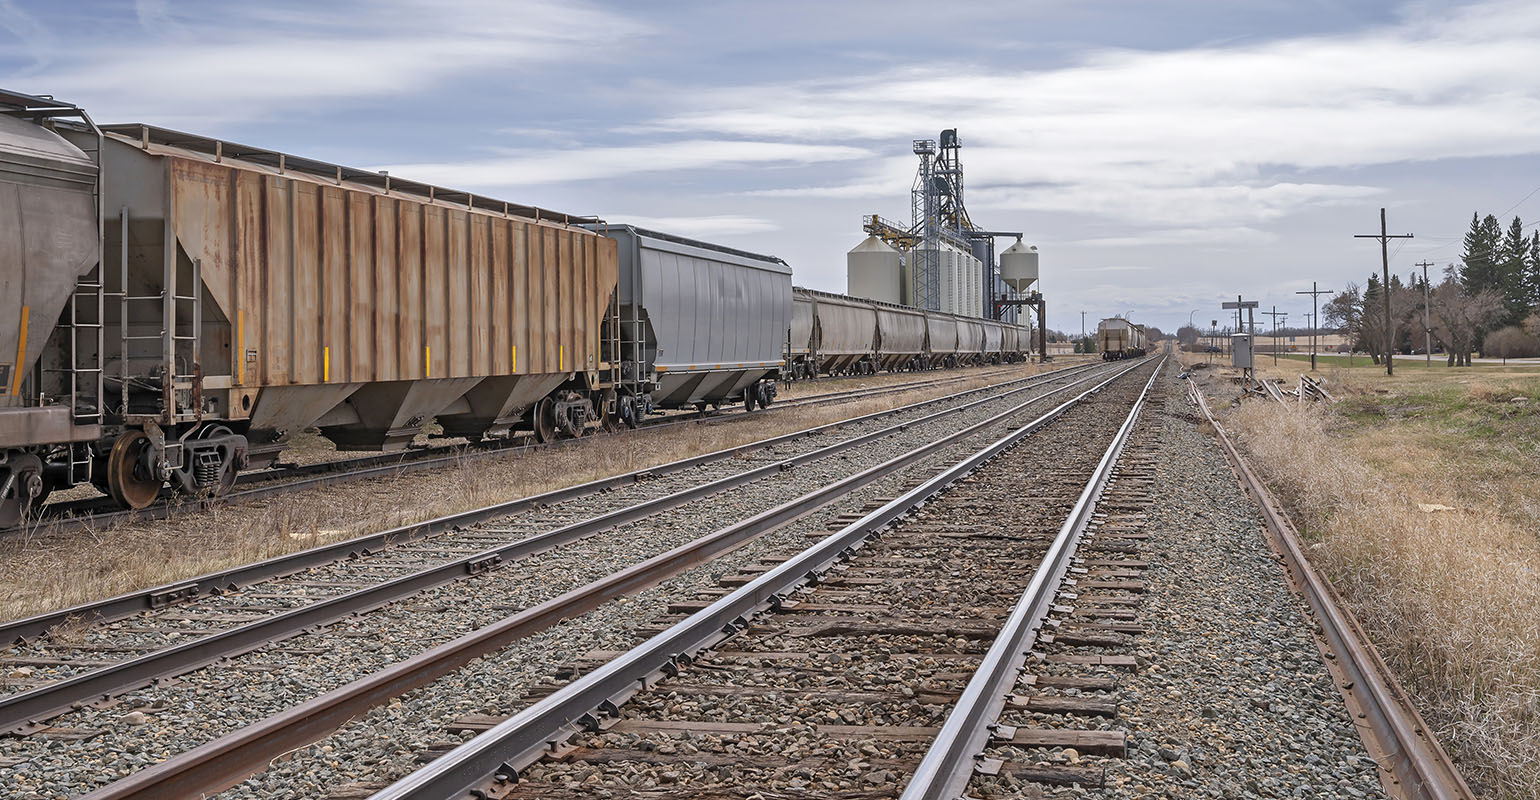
(249, 294)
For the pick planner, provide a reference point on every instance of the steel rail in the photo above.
(24, 710)
(496, 756)
(1418, 767)
(130, 603)
(948, 764)
(79, 514)
(229, 759)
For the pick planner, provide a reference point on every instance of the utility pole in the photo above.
(1315, 307)
(1275, 314)
(1427, 300)
(1385, 267)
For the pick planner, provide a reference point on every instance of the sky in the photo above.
(1163, 155)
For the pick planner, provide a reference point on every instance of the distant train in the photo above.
(180, 307)
(833, 334)
(1118, 338)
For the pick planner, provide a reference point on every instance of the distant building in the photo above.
(1300, 343)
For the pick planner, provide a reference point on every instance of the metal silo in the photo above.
(874, 271)
(1018, 266)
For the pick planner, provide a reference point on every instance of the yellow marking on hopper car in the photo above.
(427, 361)
(515, 359)
(21, 352)
(326, 365)
(561, 358)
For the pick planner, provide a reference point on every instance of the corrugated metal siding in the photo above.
(846, 327)
(330, 283)
(708, 312)
(901, 331)
(970, 336)
(943, 332)
(992, 336)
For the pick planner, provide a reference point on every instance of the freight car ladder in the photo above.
(86, 330)
(85, 365)
(177, 355)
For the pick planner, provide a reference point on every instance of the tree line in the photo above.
(1489, 302)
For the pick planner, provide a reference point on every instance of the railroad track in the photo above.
(97, 512)
(1412, 762)
(223, 582)
(563, 556)
(830, 673)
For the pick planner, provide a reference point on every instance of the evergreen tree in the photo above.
(1532, 270)
(1512, 274)
(1478, 271)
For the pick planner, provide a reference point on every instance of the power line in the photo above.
(1521, 202)
(1315, 307)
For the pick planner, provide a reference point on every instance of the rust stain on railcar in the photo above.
(411, 322)
(390, 318)
(377, 284)
(501, 299)
(481, 299)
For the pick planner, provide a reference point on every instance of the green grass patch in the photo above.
(1361, 362)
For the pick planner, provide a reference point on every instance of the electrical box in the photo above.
(1240, 351)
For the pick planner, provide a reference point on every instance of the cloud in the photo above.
(590, 163)
(1214, 135)
(699, 227)
(33, 37)
(1209, 236)
(237, 62)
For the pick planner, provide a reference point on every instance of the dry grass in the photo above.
(1450, 598)
(49, 571)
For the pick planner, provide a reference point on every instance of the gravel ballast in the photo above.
(1231, 698)
(151, 725)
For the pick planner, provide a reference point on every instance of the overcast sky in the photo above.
(1163, 156)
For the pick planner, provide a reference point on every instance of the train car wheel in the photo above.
(766, 394)
(627, 408)
(126, 481)
(544, 420)
(749, 398)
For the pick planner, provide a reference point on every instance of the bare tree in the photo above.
(1459, 317)
(1510, 342)
(1361, 314)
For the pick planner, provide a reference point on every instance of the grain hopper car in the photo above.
(188, 304)
(1118, 338)
(699, 324)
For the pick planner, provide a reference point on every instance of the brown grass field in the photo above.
(1420, 498)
